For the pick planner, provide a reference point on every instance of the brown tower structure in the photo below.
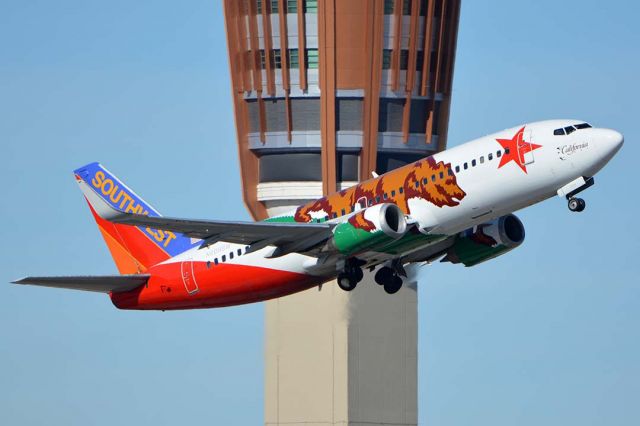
(326, 92)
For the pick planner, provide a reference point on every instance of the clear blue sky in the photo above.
(547, 334)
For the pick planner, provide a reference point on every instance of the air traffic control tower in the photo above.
(326, 92)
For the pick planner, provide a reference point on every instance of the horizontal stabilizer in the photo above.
(101, 284)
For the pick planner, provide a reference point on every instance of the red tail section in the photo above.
(134, 249)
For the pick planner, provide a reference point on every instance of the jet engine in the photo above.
(368, 229)
(486, 241)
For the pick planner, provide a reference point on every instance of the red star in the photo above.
(517, 147)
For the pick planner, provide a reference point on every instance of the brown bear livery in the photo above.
(441, 192)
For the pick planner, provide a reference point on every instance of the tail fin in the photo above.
(134, 249)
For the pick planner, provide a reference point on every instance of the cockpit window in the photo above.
(570, 129)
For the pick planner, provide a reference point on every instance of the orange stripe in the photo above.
(126, 263)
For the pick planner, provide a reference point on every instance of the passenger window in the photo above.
(482, 159)
(208, 264)
(393, 192)
(441, 175)
(498, 154)
(433, 178)
(425, 181)
(473, 163)
(239, 252)
(457, 169)
(417, 184)
(230, 255)
(401, 190)
(385, 196)
(215, 261)
(558, 132)
(466, 166)
(490, 156)
(224, 258)
(450, 172)
(370, 202)
(506, 150)
(335, 215)
(343, 212)
(378, 199)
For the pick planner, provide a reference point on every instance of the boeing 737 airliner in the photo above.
(456, 206)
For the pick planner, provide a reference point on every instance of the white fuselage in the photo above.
(500, 173)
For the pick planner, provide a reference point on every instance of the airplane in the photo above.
(454, 206)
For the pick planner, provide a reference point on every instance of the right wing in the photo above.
(101, 284)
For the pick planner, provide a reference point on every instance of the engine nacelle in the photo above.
(486, 241)
(368, 229)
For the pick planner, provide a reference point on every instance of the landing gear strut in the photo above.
(576, 204)
(572, 189)
(350, 277)
(388, 278)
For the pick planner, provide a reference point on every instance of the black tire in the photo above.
(581, 205)
(346, 282)
(574, 204)
(358, 274)
(394, 285)
(384, 275)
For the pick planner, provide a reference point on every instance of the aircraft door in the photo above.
(188, 277)
(525, 154)
(361, 204)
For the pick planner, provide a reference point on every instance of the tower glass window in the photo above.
(262, 59)
(388, 7)
(406, 7)
(292, 6)
(404, 59)
(277, 59)
(311, 6)
(386, 59)
(293, 58)
(312, 58)
(274, 6)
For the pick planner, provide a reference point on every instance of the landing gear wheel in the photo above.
(394, 285)
(576, 204)
(388, 278)
(347, 282)
(383, 275)
(358, 274)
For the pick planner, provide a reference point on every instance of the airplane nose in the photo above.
(612, 140)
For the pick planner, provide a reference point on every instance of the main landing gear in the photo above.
(350, 277)
(389, 279)
(576, 204)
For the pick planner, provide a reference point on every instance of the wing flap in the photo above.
(100, 284)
